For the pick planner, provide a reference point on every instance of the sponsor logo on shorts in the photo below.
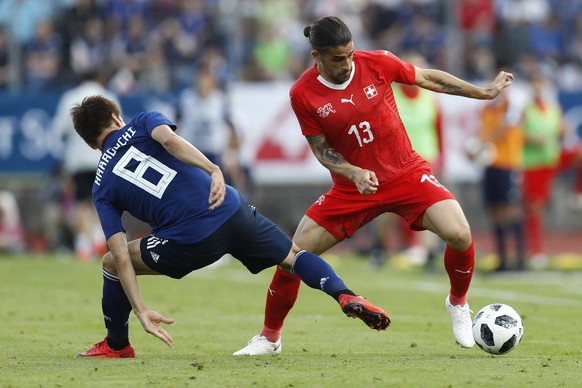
(431, 179)
(155, 256)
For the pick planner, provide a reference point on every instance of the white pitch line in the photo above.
(245, 277)
(491, 292)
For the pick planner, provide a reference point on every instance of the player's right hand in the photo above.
(366, 182)
(150, 320)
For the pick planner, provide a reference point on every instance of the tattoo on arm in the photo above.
(332, 156)
(315, 139)
(449, 88)
(323, 151)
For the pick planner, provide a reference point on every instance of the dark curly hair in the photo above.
(326, 33)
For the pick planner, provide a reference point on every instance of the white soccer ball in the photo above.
(497, 328)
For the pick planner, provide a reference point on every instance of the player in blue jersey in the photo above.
(160, 178)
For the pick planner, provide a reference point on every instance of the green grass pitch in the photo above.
(51, 309)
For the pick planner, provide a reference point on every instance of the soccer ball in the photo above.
(497, 328)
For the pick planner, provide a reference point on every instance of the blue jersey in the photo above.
(136, 174)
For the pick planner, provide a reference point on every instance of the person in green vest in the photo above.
(421, 117)
(543, 125)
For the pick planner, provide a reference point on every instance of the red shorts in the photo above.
(537, 184)
(343, 210)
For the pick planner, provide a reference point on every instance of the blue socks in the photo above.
(116, 310)
(316, 273)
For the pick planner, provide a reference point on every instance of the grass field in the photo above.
(50, 309)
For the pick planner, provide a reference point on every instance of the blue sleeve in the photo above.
(110, 218)
(150, 120)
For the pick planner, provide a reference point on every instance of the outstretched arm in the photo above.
(187, 153)
(149, 319)
(443, 82)
(365, 180)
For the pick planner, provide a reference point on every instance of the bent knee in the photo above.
(459, 239)
(288, 262)
(108, 264)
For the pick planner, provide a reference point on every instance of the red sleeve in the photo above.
(395, 69)
(308, 124)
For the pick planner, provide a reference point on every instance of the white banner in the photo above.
(278, 153)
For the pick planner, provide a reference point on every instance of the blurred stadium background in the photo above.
(148, 51)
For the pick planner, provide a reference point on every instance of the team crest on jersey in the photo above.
(325, 110)
(370, 91)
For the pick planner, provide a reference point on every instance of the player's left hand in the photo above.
(503, 80)
(150, 320)
(217, 189)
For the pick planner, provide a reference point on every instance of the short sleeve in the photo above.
(395, 68)
(308, 123)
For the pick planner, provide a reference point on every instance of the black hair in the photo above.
(326, 33)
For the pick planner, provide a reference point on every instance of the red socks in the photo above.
(460, 267)
(281, 297)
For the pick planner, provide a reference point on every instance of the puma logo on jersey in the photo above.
(344, 100)
(325, 110)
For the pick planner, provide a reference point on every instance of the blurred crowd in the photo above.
(193, 50)
(156, 45)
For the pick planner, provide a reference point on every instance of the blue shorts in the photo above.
(248, 236)
(501, 186)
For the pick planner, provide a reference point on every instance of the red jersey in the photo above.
(359, 118)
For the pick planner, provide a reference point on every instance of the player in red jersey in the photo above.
(346, 110)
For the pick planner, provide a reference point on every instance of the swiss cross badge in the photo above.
(370, 91)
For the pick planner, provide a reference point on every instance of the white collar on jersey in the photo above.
(338, 86)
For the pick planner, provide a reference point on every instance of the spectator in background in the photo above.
(156, 75)
(42, 63)
(79, 28)
(80, 164)
(246, 37)
(129, 55)
(20, 17)
(421, 117)
(118, 13)
(272, 49)
(501, 130)
(196, 32)
(543, 126)
(4, 59)
(272, 53)
(545, 39)
(425, 36)
(56, 201)
(206, 121)
(12, 237)
(164, 36)
(89, 51)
